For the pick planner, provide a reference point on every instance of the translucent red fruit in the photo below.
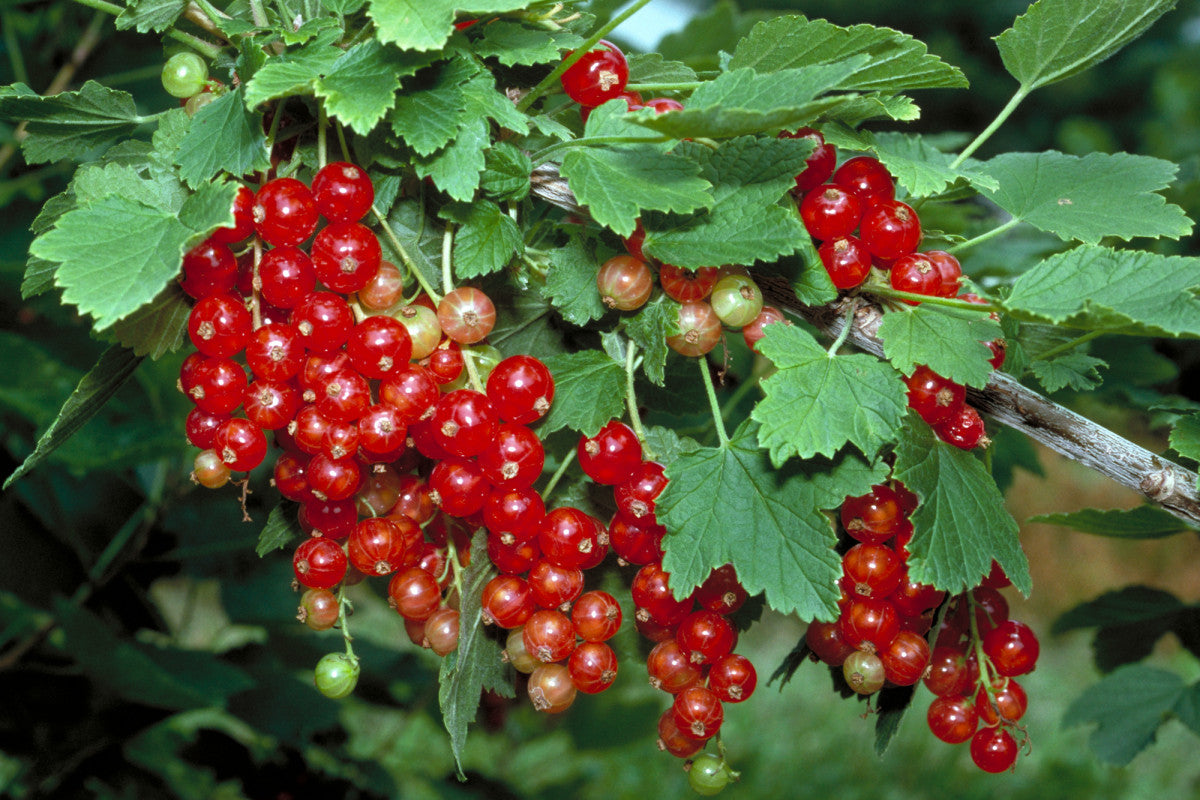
(284, 212)
(342, 192)
(705, 636)
(829, 212)
(612, 455)
(319, 563)
(598, 76)
(698, 712)
(209, 269)
(625, 283)
(846, 260)
(732, 678)
(346, 256)
(819, 165)
(466, 315)
(933, 397)
(873, 518)
(521, 389)
(1012, 648)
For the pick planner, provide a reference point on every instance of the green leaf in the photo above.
(742, 102)
(815, 403)
(1185, 436)
(151, 676)
(526, 324)
(476, 664)
(507, 171)
(1056, 39)
(747, 221)
(571, 282)
(432, 109)
(1078, 371)
(96, 181)
(649, 329)
(1120, 607)
(150, 15)
(728, 505)
(223, 137)
(512, 43)
(618, 182)
(1142, 522)
(896, 62)
(69, 124)
(813, 286)
(1187, 708)
(949, 343)
(282, 528)
(1088, 198)
(116, 254)
(293, 73)
(961, 523)
(427, 24)
(456, 168)
(653, 68)
(1123, 291)
(589, 390)
(361, 86)
(487, 239)
(1127, 708)
(159, 327)
(855, 109)
(101, 382)
(916, 165)
(419, 238)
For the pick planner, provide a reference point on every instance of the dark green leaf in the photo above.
(653, 68)
(727, 505)
(949, 343)
(282, 528)
(157, 328)
(1127, 708)
(361, 86)
(427, 24)
(816, 402)
(1142, 522)
(1088, 198)
(512, 43)
(891, 705)
(292, 73)
(1185, 436)
(223, 137)
(150, 15)
(571, 282)
(432, 109)
(475, 665)
(1120, 607)
(506, 175)
(525, 323)
(961, 523)
(1187, 708)
(589, 390)
(747, 221)
(1076, 371)
(1056, 39)
(916, 164)
(456, 168)
(896, 61)
(69, 124)
(649, 329)
(143, 674)
(486, 240)
(101, 382)
(1125, 291)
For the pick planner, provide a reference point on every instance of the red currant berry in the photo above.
(284, 212)
(698, 712)
(890, 229)
(441, 631)
(651, 592)
(662, 105)
(625, 283)
(699, 330)
(553, 586)
(550, 688)
(342, 192)
(830, 212)
(737, 300)
(721, 591)
(514, 458)
(414, 593)
(464, 423)
(287, 276)
(819, 165)
(243, 219)
(872, 518)
(705, 636)
(1012, 647)
(333, 478)
(732, 678)
(825, 641)
(376, 546)
(596, 616)
(673, 740)
(466, 315)
(458, 486)
(209, 471)
(917, 274)
(869, 624)
(507, 601)
(571, 539)
(319, 563)
(593, 667)
(864, 672)
(549, 635)
(905, 659)
(513, 515)
(952, 719)
(753, 333)
(671, 669)
(344, 396)
(635, 496)
(948, 269)
(872, 570)
(964, 429)
(600, 75)
(521, 389)
(636, 541)
(240, 444)
(324, 320)
(201, 426)
(219, 325)
(685, 285)
(612, 455)
(330, 519)
(846, 260)
(346, 256)
(993, 749)
(209, 269)
(933, 397)
(288, 477)
(319, 609)
(867, 178)
(271, 404)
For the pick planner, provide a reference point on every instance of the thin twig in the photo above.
(1159, 480)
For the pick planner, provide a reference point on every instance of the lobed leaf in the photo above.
(1127, 708)
(571, 282)
(427, 24)
(475, 665)
(115, 366)
(1132, 604)
(1056, 39)
(961, 523)
(69, 125)
(361, 86)
(512, 43)
(486, 240)
(949, 343)
(649, 328)
(223, 137)
(291, 73)
(1077, 371)
(1121, 291)
(159, 327)
(1086, 198)
(816, 403)
(456, 168)
(282, 528)
(894, 61)
(916, 165)
(747, 221)
(1185, 437)
(150, 15)
(507, 171)
(1142, 522)
(589, 390)
(728, 505)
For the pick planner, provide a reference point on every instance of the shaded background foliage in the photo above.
(146, 651)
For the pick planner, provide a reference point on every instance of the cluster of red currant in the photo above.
(854, 214)
(880, 637)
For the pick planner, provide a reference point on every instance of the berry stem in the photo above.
(472, 370)
(985, 664)
(256, 287)
(447, 249)
(711, 391)
(344, 608)
(1065, 346)
(558, 473)
(983, 237)
(405, 257)
(550, 80)
(543, 155)
(322, 133)
(849, 324)
(987, 132)
(345, 148)
(635, 419)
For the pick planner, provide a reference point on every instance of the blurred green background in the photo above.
(119, 583)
